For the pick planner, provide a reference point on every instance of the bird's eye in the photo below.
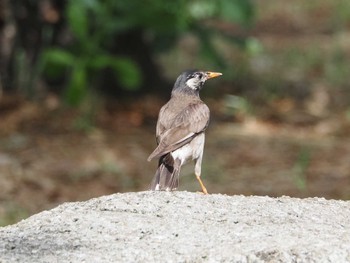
(198, 75)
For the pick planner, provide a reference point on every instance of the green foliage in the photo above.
(95, 25)
(84, 60)
(300, 168)
(12, 213)
(237, 11)
(59, 57)
(77, 18)
(336, 68)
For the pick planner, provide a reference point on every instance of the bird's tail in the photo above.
(167, 174)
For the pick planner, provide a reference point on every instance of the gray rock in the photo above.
(183, 227)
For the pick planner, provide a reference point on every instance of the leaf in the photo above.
(58, 56)
(239, 11)
(253, 46)
(77, 16)
(202, 10)
(101, 61)
(77, 87)
(127, 72)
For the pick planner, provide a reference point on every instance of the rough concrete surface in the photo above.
(183, 227)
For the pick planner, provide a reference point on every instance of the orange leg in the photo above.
(202, 185)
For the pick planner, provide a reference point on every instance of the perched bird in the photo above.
(180, 130)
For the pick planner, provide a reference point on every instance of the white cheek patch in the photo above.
(192, 83)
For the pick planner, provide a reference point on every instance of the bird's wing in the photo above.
(160, 129)
(187, 124)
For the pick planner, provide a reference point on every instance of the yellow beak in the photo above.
(211, 74)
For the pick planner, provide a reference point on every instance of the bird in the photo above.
(180, 129)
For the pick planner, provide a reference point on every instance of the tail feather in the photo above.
(167, 174)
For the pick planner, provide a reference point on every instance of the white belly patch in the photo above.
(192, 150)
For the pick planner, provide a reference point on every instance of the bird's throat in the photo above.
(185, 91)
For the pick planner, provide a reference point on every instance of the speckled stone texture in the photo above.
(183, 227)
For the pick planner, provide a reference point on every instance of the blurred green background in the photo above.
(81, 84)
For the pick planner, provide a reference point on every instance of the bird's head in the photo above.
(192, 81)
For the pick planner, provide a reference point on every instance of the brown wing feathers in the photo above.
(187, 124)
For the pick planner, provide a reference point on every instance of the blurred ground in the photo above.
(46, 160)
(296, 143)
